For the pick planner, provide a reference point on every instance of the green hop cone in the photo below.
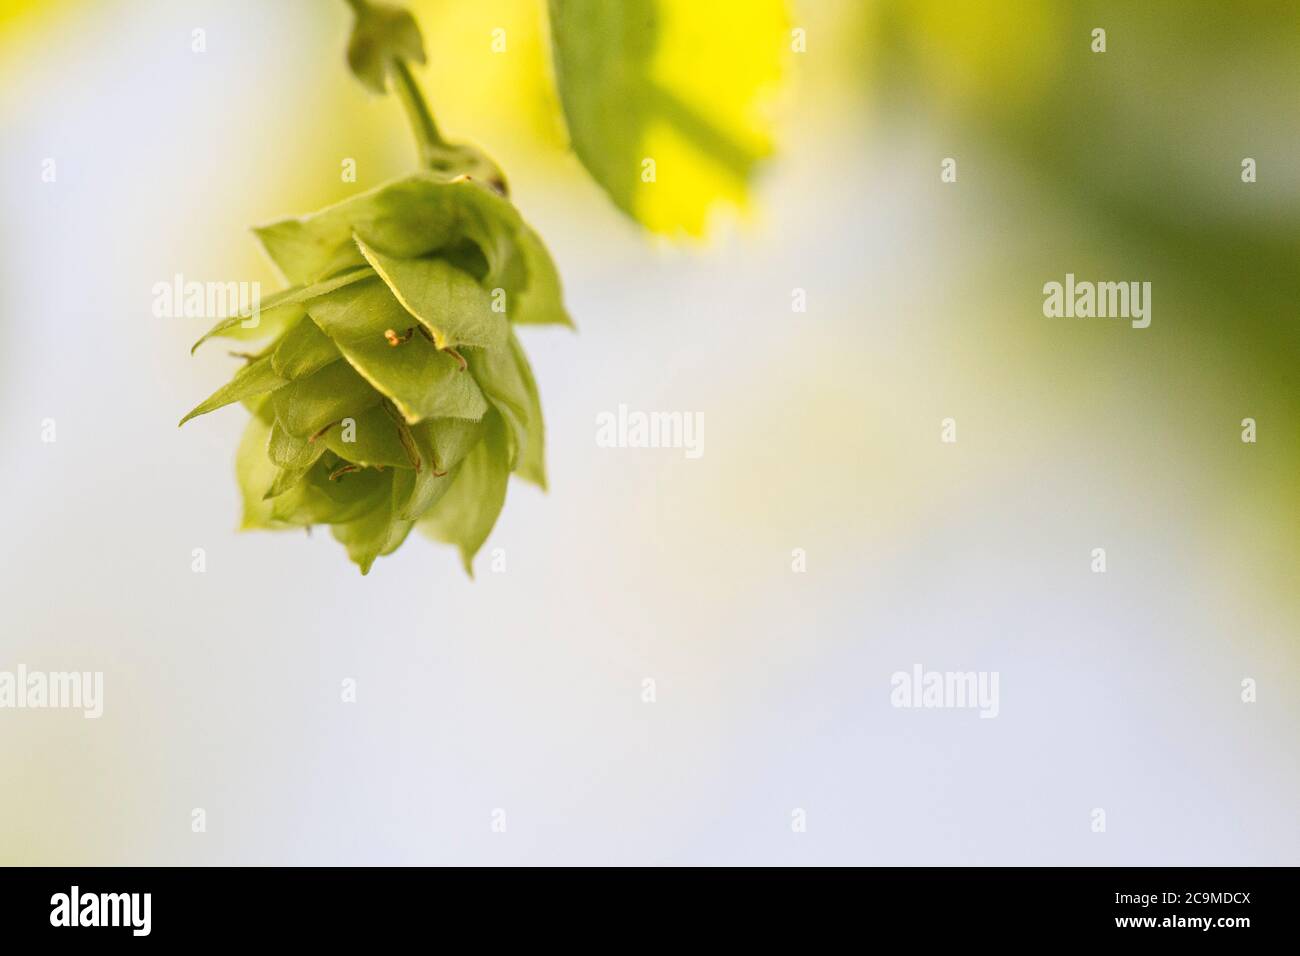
(394, 392)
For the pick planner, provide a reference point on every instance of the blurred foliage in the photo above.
(681, 84)
(1137, 149)
(491, 97)
(1145, 139)
(689, 85)
(1124, 165)
(23, 21)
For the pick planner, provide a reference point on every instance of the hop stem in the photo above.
(427, 138)
(428, 141)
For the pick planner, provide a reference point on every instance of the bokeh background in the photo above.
(522, 690)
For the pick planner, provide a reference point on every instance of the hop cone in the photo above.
(394, 393)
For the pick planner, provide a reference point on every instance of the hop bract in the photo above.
(394, 392)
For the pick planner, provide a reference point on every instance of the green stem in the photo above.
(427, 138)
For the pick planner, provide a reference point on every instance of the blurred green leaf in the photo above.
(663, 99)
(255, 472)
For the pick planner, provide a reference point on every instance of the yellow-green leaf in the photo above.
(465, 514)
(302, 350)
(255, 473)
(375, 532)
(284, 307)
(450, 304)
(320, 499)
(507, 380)
(666, 100)
(372, 438)
(255, 378)
(309, 404)
(421, 380)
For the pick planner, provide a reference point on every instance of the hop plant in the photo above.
(394, 392)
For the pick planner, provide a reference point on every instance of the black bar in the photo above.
(360, 905)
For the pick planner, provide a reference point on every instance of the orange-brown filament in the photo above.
(460, 359)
